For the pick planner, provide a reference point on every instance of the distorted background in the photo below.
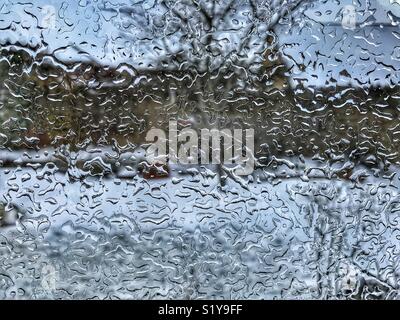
(84, 216)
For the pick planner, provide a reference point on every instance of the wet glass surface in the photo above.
(85, 214)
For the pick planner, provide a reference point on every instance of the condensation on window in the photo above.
(85, 214)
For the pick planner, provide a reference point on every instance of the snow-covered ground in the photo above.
(191, 236)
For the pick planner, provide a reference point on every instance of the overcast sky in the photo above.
(317, 48)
